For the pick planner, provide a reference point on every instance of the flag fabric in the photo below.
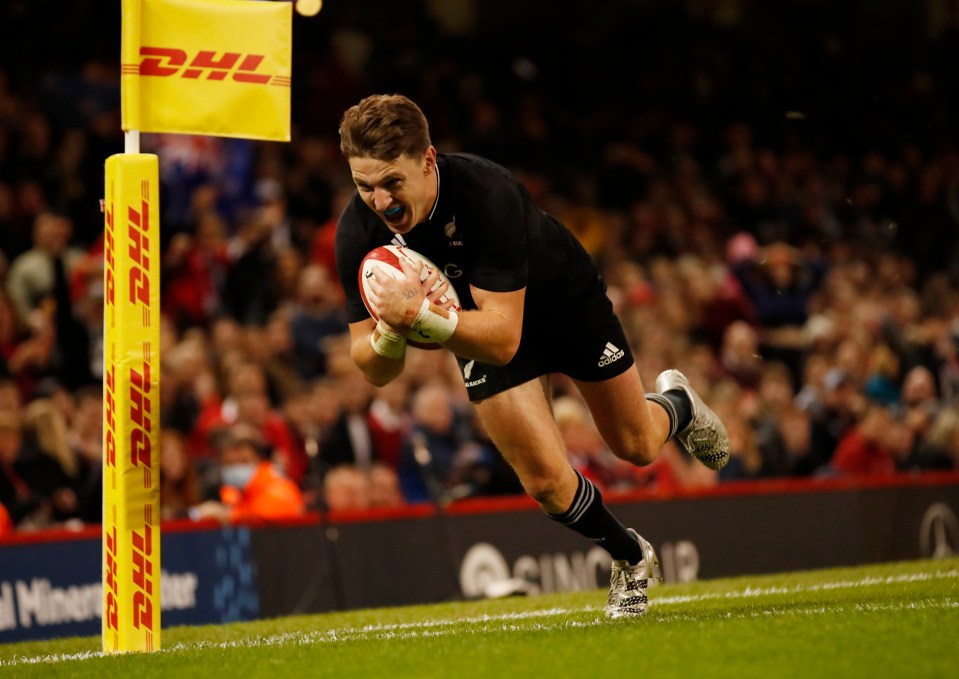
(214, 67)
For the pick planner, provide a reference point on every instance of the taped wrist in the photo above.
(386, 342)
(435, 323)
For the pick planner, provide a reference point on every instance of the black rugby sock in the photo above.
(677, 406)
(588, 516)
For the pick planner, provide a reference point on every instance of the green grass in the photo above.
(890, 620)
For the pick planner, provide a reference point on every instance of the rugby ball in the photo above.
(386, 259)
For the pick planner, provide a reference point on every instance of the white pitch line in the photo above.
(505, 622)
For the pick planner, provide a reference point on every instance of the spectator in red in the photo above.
(323, 250)
(252, 489)
(6, 523)
(248, 403)
(875, 446)
(194, 268)
(390, 421)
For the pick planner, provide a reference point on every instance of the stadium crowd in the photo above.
(775, 211)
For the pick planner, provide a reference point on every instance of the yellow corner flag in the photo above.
(215, 67)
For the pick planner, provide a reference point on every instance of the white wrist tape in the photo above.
(435, 323)
(387, 343)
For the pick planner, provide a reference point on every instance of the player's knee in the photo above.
(639, 451)
(545, 490)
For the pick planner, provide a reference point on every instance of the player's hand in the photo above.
(435, 290)
(398, 301)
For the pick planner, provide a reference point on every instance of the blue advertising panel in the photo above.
(53, 589)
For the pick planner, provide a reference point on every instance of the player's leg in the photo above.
(520, 422)
(634, 428)
(636, 424)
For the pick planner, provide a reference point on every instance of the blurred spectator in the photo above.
(250, 290)
(21, 501)
(350, 438)
(878, 445)
(436, 450)
(939, 450)
(179, 482)
(739, 354)
(317, 315)
(384, 487)
(842, 406)
(769, 423)
(252, 489)
(745, 458)
(11, 402)
(780, 283)
(347, 489)
(49, 465)
(6, 523)
(33, 273)
(193, 273)
(920, 400)
(247, 403)
(85, 437)
(390, 420)
(882, 382)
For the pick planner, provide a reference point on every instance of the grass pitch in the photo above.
(890, 620)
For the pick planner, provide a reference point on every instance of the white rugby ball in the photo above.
(386, 259)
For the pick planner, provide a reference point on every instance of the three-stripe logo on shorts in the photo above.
(611, 353)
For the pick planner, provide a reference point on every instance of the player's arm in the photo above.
(377, 368)
(490, 333)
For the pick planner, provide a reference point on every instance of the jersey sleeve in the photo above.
(500, 237)
(351, 246)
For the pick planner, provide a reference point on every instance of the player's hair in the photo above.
(384, 127)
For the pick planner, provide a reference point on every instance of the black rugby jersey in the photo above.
(484, 231)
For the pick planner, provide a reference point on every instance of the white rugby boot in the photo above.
(705, 436)
(628, 584)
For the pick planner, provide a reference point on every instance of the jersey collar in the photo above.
(437, 201)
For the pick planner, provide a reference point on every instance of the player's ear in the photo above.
(429, 161)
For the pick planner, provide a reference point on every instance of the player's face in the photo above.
(400, 191)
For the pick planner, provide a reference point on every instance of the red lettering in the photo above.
(110, 449)
(140, 406)
(170, 61)
(153, 64)
(139, 287)
(140, 253)
(111, 404)
(143, 567)
(251, 62)
(140, 448)
(108, 258)
(143, 578)
(112, 608)
(205, 60)
(142, 611)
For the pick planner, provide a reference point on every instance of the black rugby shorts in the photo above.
(586, 342)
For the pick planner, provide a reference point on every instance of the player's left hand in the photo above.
(398, 301)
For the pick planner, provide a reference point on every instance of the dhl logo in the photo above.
(166, 62)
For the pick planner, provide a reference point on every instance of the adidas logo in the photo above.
(611, 354)
(398, 241)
